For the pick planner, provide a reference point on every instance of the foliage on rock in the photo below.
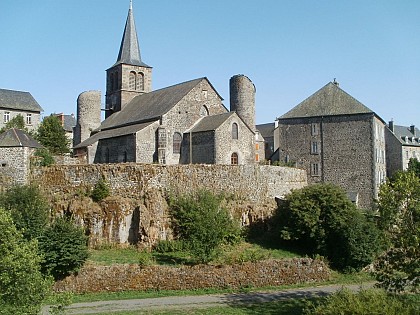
(322, 220)
(23, 288)
(64, 246)
(100, 190)
(398, 269)
(202, 223)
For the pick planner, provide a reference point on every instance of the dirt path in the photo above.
(200, 301)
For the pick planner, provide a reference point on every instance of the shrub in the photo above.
(146, 259)
(322, 220)
(64, 246)
(22, 286)
(202, 223)
(45, 157)
(100, 191)
(28, 209)
(164, 246)
(364, 302)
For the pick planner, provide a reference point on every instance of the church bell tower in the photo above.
(129, 76)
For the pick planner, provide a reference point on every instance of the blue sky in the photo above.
(57, 49)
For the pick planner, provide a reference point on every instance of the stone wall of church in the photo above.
(136, 212)
(201, 100)
(244, 146)
(203, 149)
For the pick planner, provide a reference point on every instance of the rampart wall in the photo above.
(136, 212)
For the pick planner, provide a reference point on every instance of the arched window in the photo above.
(234, 131)
(204, 111)
(140, 81)
(132, 81)
(234, 158)
(176, 143)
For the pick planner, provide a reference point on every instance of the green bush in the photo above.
(45, 156)
(146, 259)
(364, 302)
(64, 246)
(322, 220)
(164, 246)
(23, 288)
(202, 223)
(29, 209)
(100, 191)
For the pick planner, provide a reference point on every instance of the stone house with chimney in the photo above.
(14, 103)
(402, 144)
(183, 123)
(336, 139)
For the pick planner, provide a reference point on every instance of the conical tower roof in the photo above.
(130, 49)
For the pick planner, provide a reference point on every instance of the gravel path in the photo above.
(200, 301)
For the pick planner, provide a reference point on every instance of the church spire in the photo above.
(130, 49)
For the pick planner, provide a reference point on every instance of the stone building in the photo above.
(183, 123)
(16, 149)
(402, 144)
(14, 103)
(68, 122)
(338, 140)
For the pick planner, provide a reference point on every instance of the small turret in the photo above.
(88, 115)
(242, 99)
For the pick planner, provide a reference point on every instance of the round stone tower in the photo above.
(242, 99)
(88, 115)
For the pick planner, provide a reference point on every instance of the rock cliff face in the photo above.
(136, 212)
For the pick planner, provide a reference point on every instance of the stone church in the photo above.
(179, 124)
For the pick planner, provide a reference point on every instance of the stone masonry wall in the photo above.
(116, 278)
(137, 210)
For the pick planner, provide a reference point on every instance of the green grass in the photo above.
(289, 307)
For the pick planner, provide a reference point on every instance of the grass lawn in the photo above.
(289, 307)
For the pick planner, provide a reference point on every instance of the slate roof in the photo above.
(117, 132)
(17, 138)
(150, 106)
(210, 123)
(266, 130)
(69, 123)
(330, 100)
(18, 100)
(130, 50)
(404, 132)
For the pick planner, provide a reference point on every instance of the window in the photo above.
(315, 169)
(6, 117)
(205, 94)
(314, 129)
(234, 159)
(257, 146)
(257, 157)
(29, 119)
(162, 138)
(132, 81)
(140, 81)
(234, 131)
(176, 143)
(314, 147)
(204, 111)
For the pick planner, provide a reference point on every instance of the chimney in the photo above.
(413, 130)
(391, 125)
(335, 82)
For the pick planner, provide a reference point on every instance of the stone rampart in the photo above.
(137, 210)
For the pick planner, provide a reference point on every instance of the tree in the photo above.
(414, 166)
(17, 122)
(202, 223)
(398, 269)
(64, 247)
(52, 135)
(100, 191)
(28, 208)
(23, 288)
(320, 219)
